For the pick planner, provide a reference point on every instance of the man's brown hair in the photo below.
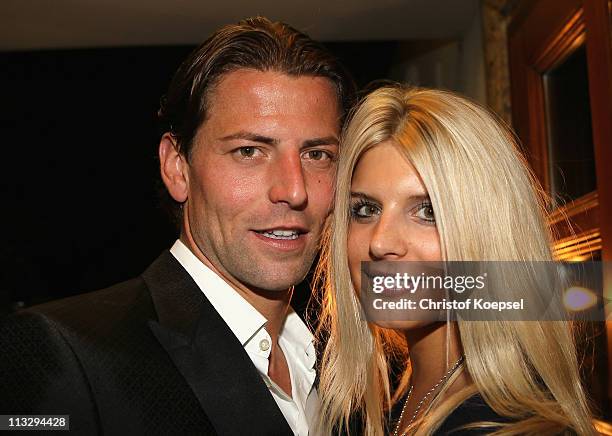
(254, 43)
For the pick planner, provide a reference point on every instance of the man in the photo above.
(205, 340)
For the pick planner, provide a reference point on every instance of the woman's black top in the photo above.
(472, 410)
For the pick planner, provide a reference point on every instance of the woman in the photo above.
(426, 175)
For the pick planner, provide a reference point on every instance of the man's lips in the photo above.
(297, 227)
(282, 232)
(289, 239)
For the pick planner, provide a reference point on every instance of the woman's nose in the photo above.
(388, 241)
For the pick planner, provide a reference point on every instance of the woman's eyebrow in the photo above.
(421, 197)
(362, 195)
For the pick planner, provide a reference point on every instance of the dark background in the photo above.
(79, 168)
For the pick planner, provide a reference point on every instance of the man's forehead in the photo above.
(273, 105)
(268, 90)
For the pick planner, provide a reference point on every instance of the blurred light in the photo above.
(578, 299)
(579, 258)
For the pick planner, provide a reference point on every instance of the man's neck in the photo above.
(273, 305)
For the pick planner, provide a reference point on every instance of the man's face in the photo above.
(260, 176)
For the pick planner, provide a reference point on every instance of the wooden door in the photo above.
(560, 61)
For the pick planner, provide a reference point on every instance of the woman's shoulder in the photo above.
(472, 410)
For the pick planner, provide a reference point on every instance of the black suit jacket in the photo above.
(147, 356)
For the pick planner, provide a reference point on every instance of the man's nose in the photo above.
(388, 240)
(288, 184)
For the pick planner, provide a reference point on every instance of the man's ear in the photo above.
(173, 168)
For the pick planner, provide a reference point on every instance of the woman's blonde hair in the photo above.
(488, 206)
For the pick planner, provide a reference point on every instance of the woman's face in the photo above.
(392, 217)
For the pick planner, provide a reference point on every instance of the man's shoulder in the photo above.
(119, 296)
(95, 357)
(92, 318)
(46, 349)
(89, 309)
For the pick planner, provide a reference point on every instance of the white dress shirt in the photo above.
(301, 408)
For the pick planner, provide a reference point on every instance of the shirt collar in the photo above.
(296, 335)
(239, 315)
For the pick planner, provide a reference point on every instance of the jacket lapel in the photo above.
(209, 356)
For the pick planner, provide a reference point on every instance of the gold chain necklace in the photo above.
(420, 404)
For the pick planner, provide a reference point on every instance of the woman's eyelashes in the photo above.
(363, 210)
(425, 212)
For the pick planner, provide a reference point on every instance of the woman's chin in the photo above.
(402, 325)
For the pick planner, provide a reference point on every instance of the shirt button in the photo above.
(264, 345)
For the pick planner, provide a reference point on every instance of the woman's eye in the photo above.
(426, 213)
(364, 210)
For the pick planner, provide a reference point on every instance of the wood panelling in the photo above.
(543, 34)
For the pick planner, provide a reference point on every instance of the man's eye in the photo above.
(318, 155)
(247, 151)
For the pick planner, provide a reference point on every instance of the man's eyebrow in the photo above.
(250, 136)
(254, 137)
(327, 140)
